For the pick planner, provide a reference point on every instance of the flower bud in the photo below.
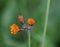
(20, 18)
(31, 21)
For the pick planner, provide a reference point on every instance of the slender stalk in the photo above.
(28, 38)
(46, 20)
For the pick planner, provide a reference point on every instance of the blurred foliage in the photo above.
(9, 11)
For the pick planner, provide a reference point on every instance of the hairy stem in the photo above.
(28, 38)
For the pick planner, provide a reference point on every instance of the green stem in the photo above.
(28, 38)
(46, 20)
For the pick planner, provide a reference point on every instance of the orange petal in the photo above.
(14, 29)
(31, 21)
(11, 32)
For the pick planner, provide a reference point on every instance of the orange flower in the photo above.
(14, 29)
(31, 21)
(20, 18)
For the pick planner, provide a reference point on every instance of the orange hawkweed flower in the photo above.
(14, 29)
(31, 21)
(20, 18)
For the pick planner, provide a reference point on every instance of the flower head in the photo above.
(31, 21)
(14, 29)
(20, 18)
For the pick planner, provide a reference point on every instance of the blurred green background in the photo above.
(9, 11)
